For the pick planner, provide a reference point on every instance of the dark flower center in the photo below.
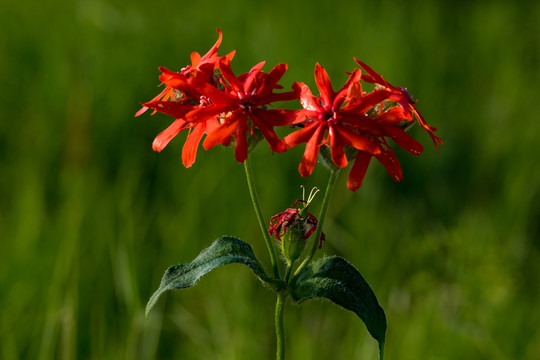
(330, 115)
(246, 102)
(246, 106)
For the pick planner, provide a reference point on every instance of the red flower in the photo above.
(241, 107)
(402, 97)
(179, 98)
(334, 120)
(203, 65)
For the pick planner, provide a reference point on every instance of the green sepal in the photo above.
(292, 242)
(335, 279)
(225, 250)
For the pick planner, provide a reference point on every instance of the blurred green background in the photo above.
(90, 216)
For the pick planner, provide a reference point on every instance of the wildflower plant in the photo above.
(208, 100)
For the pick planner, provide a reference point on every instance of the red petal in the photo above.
(393, 116)
(302, 135)
(167, 72)
(164, 95)
(308, 101)
(280, 117)
(228, 75)
(405, 140)
(355, 92)
(189, 151)
(240, 143)
(195, 59)
(337, 146)
(436, 140)
(221, 133)
(430, 129)
(266, 128)
(354, 78)
(324, 85)
(368, 101)
(273, 77)
(378, 78)
(358, 170)
(309, 160)
(168, 134)
(174, 80)
(391, 163)
(211, 125)
(176, 109)
(362, 122)
(251, 77)
(199, 86)
(208, 112)
(358, 141)
(213, 50)
(141, 111)
(230, 55)
(274, 117)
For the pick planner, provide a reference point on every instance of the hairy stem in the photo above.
(260, 218)
(280, 330)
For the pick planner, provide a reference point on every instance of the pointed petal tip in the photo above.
(230, 55)
(141, 111)
(220, 38)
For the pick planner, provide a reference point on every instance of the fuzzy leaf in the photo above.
(225, 250)
(335, 279)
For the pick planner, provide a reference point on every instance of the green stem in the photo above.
(280, 330)
(328, 193)
(260, 218)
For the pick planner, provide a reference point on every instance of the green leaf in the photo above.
(225, 250)
(335, 279)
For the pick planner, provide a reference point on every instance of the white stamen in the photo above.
(312, 194)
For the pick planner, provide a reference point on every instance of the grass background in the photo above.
(90, 217)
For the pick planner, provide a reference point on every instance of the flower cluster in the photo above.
(207, 98)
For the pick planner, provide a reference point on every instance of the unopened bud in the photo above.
(293, 227)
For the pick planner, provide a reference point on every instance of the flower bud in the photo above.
(293, 227)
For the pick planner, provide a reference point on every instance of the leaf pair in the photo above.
(332, 278)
